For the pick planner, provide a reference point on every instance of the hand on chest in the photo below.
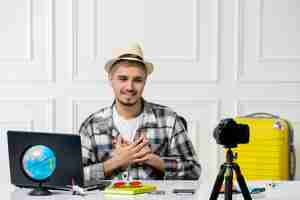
(157, 138)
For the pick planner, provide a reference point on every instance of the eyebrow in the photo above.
(135, 77)
(124, 75)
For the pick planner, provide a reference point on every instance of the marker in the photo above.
(183, 191)
(157, 192)
(257, 190)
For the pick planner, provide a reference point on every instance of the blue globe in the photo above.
(39, 162)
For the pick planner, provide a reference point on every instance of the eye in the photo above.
(139, 80)
(122, 78)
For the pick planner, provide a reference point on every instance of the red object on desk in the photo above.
(119, 184)
(136, 183)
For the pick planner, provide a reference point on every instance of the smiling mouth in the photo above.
(129, 94)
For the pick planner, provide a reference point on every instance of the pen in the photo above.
(184, 191)
(257, 190)
(157, 192)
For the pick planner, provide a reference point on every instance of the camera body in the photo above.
(230, 134)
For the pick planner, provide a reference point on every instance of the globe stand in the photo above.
(40, 191)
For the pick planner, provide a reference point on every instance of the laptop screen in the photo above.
(64, 160)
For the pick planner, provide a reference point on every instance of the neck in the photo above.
(129, 112)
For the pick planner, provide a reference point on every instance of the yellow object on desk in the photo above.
(129, 190)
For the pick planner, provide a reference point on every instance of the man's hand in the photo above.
(146, 156)
(119, 143)
(125, 153)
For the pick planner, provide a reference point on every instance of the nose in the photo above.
(130, 86)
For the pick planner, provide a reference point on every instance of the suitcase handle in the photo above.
(262, 115)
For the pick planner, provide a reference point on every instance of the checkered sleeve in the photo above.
(92, 169)
(181, 163)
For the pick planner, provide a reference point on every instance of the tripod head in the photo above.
(230, 157)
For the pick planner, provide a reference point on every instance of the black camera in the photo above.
(230, 134)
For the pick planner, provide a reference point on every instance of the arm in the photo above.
(92, 168)
(98, 165)
(181, 161)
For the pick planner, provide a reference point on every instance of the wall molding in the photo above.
(97, 55)
(260, 56)
(32, 61)
(239, 52)
(50, 110)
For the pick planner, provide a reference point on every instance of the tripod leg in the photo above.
(218, 184)
(241, 182)
(228, 183)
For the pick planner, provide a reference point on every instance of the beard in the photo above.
(127, 104)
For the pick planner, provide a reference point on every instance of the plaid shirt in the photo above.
(165, 133)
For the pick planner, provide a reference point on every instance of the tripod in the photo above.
(226, 171)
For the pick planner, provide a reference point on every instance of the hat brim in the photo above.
(109, 64)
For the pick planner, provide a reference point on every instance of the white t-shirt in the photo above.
(126, 127)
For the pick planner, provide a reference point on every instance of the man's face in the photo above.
(128, 81)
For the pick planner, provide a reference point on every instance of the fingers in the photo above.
(142, 159)
(135, 147)
(146, 150)
(125, 142)
(119, 144)
(120, 141)
(117, 140)
(139, 146)
(137, 152)
(138, 141)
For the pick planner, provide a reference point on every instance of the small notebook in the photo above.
(129, 190)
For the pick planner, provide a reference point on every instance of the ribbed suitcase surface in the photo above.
(265, 157)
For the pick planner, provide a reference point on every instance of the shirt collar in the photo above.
(149, 118)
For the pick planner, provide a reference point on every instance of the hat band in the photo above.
(131, 56)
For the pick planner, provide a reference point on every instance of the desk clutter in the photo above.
(129, 188)
(253, 189)
(279, 190)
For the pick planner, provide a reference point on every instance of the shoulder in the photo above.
(165, 116)
(160, 111)
(97, 116)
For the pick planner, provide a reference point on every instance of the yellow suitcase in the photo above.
(270, 153)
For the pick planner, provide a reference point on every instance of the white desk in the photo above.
(282, 191)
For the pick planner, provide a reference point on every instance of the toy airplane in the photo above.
(76, 189)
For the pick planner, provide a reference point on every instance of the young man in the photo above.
(133, 138)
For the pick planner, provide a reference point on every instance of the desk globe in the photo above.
(39, 163)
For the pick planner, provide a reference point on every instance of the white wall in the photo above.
(213, 59)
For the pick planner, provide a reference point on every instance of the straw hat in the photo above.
(133, 52)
